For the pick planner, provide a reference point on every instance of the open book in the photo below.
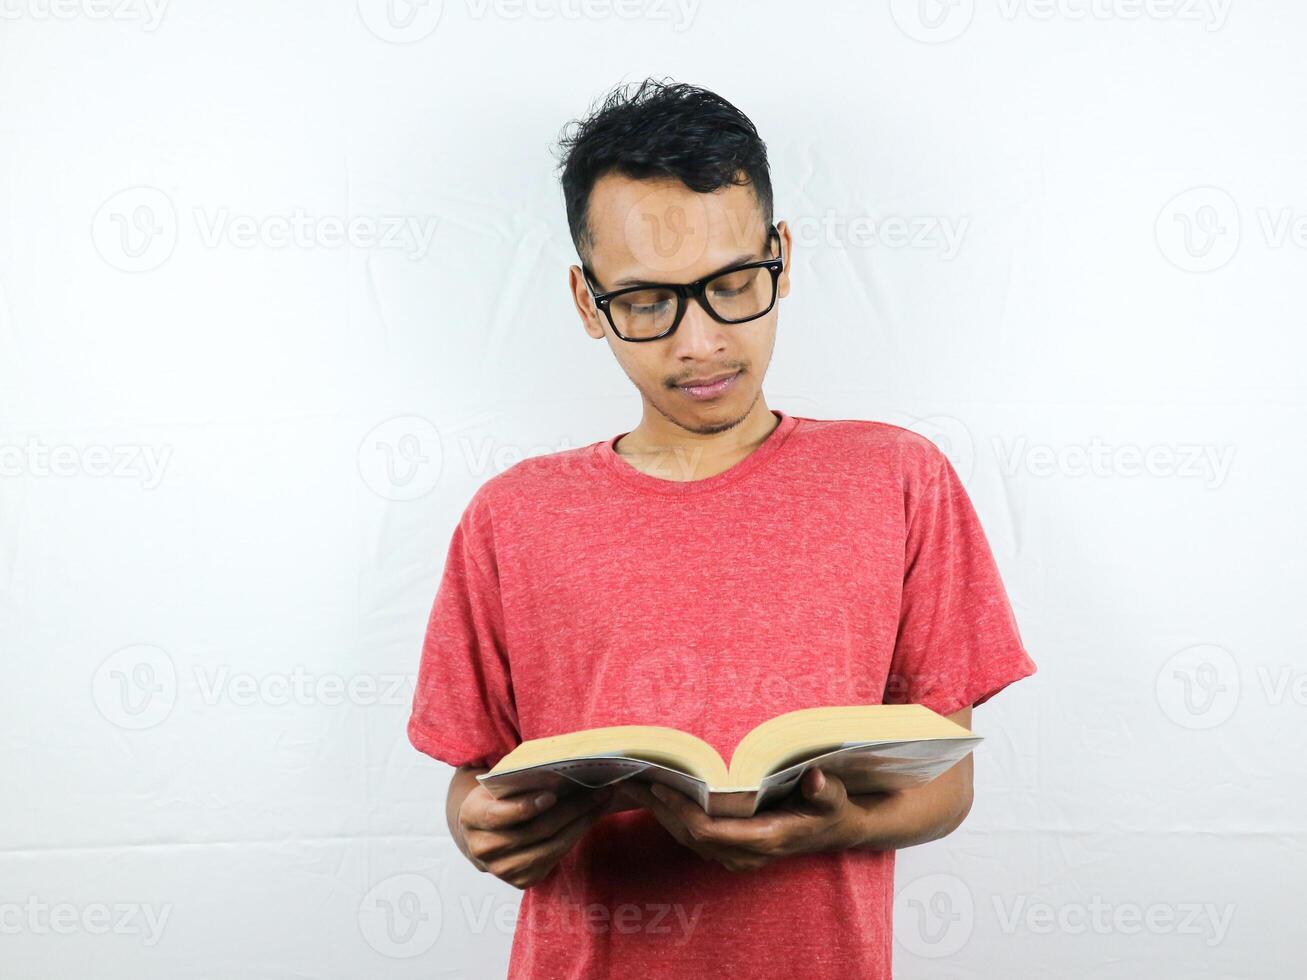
(870, 747)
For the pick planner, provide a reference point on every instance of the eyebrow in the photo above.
(637, 281)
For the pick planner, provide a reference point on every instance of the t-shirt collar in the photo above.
(613, 462)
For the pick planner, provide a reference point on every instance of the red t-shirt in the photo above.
(841, 562)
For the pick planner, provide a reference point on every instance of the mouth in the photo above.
(707, 389)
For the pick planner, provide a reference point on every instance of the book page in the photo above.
(869, 767)
(591, 773)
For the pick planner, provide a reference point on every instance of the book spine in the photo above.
(732, 803)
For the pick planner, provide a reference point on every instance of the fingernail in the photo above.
(544, 800)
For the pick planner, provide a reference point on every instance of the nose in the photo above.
(699, 336)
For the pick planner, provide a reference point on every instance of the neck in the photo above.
(670, 451)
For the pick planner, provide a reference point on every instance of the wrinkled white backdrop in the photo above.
(282, 283)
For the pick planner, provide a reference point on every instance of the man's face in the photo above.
(661, 231)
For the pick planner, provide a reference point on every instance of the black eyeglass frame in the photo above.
(690, 290)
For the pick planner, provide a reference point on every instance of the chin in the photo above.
(706, 418)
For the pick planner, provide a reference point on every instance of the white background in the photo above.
(209, 649)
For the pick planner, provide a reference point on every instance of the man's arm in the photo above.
(460, 784)
(924, 813)
(520, 838)
(823, 817)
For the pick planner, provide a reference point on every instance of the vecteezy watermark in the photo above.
(672, 685)
(940, 21)
(1202, 686)
(932, 21)
(675, 920)
(37, 459)
(1282, 683)
(670, 235)
(404, 457)
(1198, 230)
(400, 21)
(1201, 229)
(137, 230)
(139, 686)
(303, 687)
(148, 12)
(407, 21)
(1187, 461)
(300, 229)
(36, 917)
(487, 455)
(952, 437)
(940, 234)
(1210, 14)
(934, 915)
(1199, 687)
(1204, 919)
(135, 687)
(404, 915)
(401, 916)
(679, 14)
(401, 458)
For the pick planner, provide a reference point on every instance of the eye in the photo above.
(646, 309)
(733, 283)
(646, 303)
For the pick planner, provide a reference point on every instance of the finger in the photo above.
(529, 866)
(560, 815)
(495, 847)
(739, 864)
(712, 838)
(543, 855)
(490, 844)
(759, 834)
(640, 793)
(687, 810)
(484, 812)
(825, 792)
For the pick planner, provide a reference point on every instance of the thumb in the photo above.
(825, 791)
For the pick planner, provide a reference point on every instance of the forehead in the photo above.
(659, 229)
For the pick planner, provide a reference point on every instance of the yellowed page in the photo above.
(796, 735)
(654, 743)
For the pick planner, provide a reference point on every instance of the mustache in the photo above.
(721, 372)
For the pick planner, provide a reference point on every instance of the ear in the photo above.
(585, 306)
(783, 283)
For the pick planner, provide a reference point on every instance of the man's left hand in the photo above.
(818, 817)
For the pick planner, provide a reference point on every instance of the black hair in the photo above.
(663, 129)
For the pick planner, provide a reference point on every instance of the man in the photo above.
(716, 566)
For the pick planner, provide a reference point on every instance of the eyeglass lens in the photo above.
(733, 296)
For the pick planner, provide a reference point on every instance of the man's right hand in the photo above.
(519, 839)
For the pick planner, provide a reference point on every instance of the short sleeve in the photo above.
(463, 712)
(958, 643)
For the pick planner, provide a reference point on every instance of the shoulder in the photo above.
(531, 486)
(910, 457)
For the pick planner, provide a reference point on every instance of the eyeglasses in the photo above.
(654, 310)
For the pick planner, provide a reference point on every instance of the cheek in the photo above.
(640, 366)
(762, 342)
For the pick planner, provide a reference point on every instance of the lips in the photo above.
(701, 390)
(704, 382)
